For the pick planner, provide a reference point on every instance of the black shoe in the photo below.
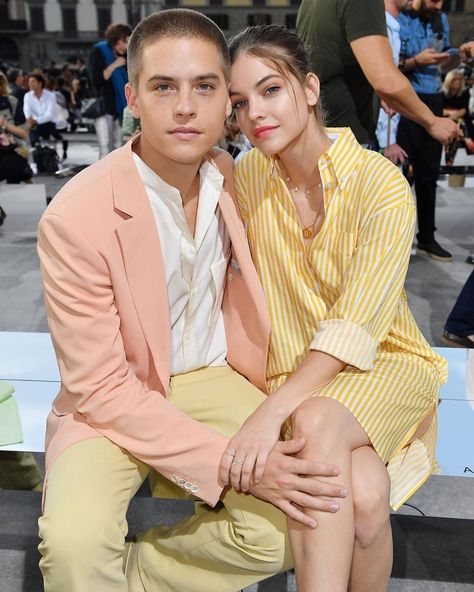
(3, 215)
(470, 259)
(457, 340)
(433, 250)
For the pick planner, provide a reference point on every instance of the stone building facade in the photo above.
(32, 32)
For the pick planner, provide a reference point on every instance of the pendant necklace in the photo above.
(307, 231)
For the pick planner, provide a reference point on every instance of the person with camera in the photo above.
(108, 72)
(424, 34)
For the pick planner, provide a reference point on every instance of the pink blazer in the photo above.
(107, 307)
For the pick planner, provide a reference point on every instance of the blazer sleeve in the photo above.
(95, 372)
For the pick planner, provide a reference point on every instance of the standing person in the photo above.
(456, 107)
(351, 56)
(424, 34)
(40, 108)
(160, 328)
(459, 328)
(388, 120)
(330, 227)
(108, 73)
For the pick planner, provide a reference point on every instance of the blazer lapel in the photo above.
(143, 259)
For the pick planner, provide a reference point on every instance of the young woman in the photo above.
(330, 226)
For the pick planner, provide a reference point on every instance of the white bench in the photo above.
(27, 362)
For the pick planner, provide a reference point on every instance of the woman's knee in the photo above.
(371, 511)
(325, 419)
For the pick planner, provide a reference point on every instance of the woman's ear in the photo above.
(312, 89)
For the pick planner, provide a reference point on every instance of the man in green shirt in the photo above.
(351, 55)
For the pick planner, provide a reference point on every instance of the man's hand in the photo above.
(31, 122)
(120, 61)
(430, 57)
(289, 483)
(467, 50)
(388, 110)
(444, 130)
(395, 153)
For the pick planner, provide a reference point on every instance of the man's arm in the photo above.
(375, 58)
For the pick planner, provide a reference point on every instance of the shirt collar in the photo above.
(392, 22)
(342, 157)
(211, 180)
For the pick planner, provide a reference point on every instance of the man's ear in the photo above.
(132, 100)
(312, 89)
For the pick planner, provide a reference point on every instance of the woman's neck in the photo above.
(300, 159)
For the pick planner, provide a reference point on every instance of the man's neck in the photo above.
(181, 176)
(38, 93)
(392, 8)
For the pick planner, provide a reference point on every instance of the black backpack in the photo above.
(46, 159)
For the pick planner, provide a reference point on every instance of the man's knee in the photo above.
(79, 541)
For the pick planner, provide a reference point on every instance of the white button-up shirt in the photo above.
(393, 32)
(42, 109)
(195, 268)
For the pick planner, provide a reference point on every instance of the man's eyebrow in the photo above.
(165, 78)
(259, 83)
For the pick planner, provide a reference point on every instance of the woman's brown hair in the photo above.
(279, 46)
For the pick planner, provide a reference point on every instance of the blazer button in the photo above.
(174, 478)
(194, 489)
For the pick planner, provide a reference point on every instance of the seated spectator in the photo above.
(130, 125)
(40, 111)
(15, 80)
(456, 107)
(14, 166)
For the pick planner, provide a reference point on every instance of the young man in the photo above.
(135, 254)
(108, 73)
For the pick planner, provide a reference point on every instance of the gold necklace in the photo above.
(308, 231)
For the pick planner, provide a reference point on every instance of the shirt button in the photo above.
(328, 185)
(300, 255)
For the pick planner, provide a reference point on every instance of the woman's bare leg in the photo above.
(373, 548)
(323, 556)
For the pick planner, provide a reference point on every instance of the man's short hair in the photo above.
(12, 75)
(178, 23)
(38, 77)
(116, 32)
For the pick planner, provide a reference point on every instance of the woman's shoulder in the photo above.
(253, 163)
(382, 183)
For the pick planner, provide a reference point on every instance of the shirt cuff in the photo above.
(347, 342)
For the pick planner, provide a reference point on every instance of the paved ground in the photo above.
(432, 289)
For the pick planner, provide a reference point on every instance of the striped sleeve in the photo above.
(372, 285)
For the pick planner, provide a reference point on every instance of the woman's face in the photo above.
(272, 110)
(455, 85)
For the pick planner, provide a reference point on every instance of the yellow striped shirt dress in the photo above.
(342, 293)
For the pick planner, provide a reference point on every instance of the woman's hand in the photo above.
(248, 450)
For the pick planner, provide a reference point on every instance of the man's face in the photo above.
(120, 48)
(182, 99)
(34, 84)
(403, 4)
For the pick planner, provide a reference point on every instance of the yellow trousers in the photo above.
(89, 488)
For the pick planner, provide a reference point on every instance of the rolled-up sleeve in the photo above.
(372, 287)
